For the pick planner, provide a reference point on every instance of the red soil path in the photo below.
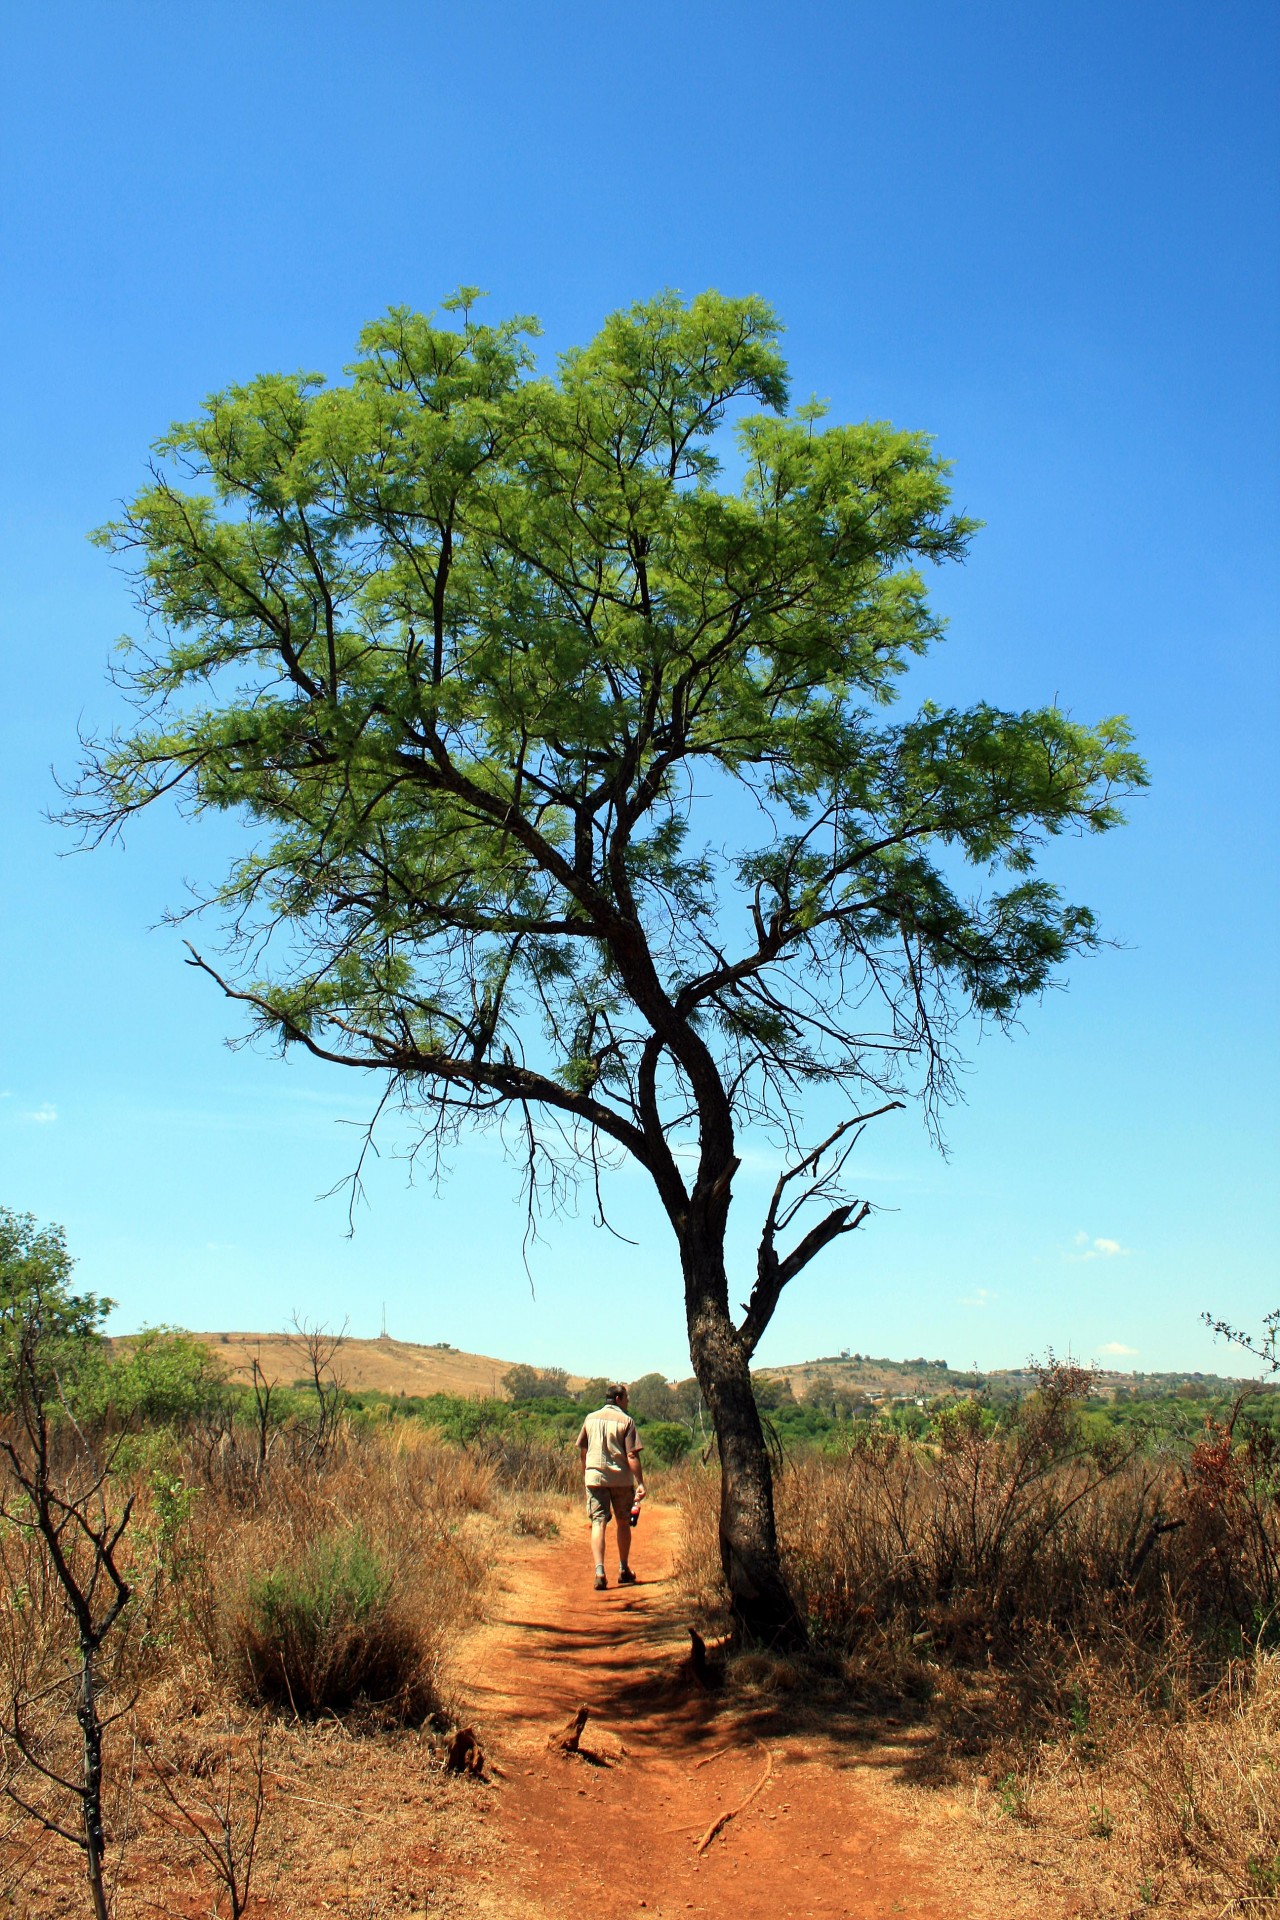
(616, 1831)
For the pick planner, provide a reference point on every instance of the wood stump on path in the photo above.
(569, 1738)
(708, 1675)
(464, 1753)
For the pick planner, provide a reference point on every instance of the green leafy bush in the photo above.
(667, 1441)
(320, 1632)
(60, 1331)
(163, 1377)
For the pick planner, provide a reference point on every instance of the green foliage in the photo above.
(666, 1442)
(536, 1383)
(62, 1329)
(339, 1578)
(320, 1634)
(772, 1395)
(462, 641)
(173, 1502)
(959, 1421)
(649, 1398)
(910, 1421)
(163, 1378)
(1264, 1875)
(828, 1418)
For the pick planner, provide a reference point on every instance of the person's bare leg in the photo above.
(624, 1538)
(597, 1542)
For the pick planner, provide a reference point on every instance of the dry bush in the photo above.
(221, 1558)
(321, 1632)
(232, 1599)
(696, 1491)
(983, 1541)
(533, 1523)
(39, 1679)
(1094, 1629)
(339, 1584)
(527, 1464)
(455, 1479)
(1144, 1801)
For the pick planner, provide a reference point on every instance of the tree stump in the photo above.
(569, 1738)
(464, 1753)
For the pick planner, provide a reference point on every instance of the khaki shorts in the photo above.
(603, 1501)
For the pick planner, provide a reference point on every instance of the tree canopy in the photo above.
(462, 642)
(60, 1332)
(486, 656)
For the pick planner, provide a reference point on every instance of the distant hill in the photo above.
(405, 1366)
(883, 1379)
(382, 1366)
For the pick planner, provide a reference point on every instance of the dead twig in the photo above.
(223, 1832)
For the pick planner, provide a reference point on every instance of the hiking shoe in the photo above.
(626, 1578)
(601, 1583)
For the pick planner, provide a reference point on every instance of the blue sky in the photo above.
(1048, 236)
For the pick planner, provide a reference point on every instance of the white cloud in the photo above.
(1116, 1347)
(980, 1297)
(42, 1116)
(1097, 1248)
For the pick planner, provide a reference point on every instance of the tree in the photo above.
(43, 1324)
(165, 1377)
(649, 1397)
(55, 1505)
(486, 658)
(536, 1383)
(593, 1391)
(1264, 1346)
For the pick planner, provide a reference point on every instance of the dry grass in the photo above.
(1090, 1639)
(380, 1366)
(1173, 1807)
(357, 1815)
(249, 1555)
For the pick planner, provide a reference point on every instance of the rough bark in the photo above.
(763, 1609)
(91, 1796)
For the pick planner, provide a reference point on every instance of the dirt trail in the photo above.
(617, 1830)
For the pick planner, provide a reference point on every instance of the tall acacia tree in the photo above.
(481, 655)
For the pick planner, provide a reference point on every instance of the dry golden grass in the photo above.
(1091, 1688)
(357, 1814)
(1173, 1808)
(377, 1366)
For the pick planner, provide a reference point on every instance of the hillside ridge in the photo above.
(380, 1365)
(415, 1368)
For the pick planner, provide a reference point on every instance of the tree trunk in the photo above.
(91, 1792)
(763, 1610)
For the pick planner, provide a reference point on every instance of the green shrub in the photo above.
(59, 1331)
(163, 1378)
(667, 1441)
(320, 1632)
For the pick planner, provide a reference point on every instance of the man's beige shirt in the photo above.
(610, 1435)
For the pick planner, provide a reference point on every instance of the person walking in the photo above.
(609, 1448)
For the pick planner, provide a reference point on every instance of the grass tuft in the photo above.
(320, 1633)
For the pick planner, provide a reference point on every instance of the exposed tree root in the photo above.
(722, 1820)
